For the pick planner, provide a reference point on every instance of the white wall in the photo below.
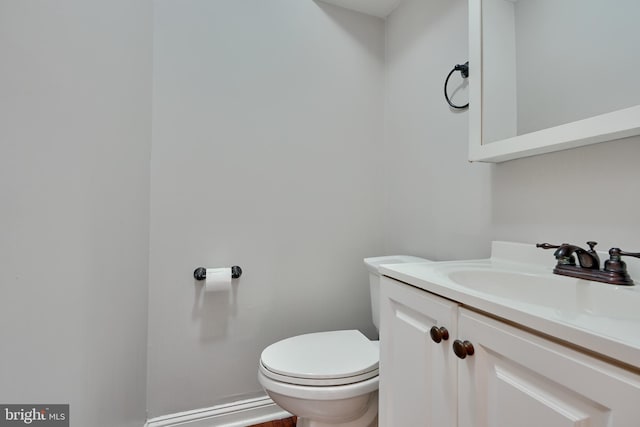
(74, 184)
(438, 205)
(267, 127)
(573, 196)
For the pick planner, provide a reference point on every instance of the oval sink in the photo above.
(568, 296)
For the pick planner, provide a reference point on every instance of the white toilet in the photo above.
(329, 379)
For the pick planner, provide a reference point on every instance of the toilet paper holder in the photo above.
(200, 273)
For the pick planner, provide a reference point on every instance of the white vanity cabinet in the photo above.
(514, 377)
(418, 377)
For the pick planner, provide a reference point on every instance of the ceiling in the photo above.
(379, 8)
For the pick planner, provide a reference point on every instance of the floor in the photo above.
(288, 422)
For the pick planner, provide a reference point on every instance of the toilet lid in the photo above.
(322, 358)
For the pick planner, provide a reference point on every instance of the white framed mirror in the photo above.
(549, 75)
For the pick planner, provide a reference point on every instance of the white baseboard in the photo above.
(242, 413)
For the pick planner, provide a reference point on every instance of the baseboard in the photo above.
(242, 413)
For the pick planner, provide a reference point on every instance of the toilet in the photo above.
(329, 379)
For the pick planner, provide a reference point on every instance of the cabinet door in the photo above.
(417, 375)
(515, 378)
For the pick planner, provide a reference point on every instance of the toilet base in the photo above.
(368, 419)
(311, 423)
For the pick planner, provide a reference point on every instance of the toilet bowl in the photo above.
(328, 379)
(325, 378)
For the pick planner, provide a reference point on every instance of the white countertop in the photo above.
(517, 284)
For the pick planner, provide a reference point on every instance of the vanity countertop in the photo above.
(517, 284)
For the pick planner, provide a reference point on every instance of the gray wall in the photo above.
(438, 205)
(74, 184)
(589, 193)
(443, 207)
(267, 127)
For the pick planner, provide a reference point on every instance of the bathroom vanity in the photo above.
(503, 342)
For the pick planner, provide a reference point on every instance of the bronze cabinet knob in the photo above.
(463, 349)
(439, 334)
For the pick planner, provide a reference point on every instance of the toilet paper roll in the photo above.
(218, 279)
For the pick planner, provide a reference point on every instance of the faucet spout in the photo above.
(586, 258)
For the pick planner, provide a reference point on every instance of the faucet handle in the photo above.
(563, 259)
(548, 245)
(591, 244)
(614, 263)
(633, 254)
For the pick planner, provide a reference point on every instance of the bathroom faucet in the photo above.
(614, 270)
(564, 254)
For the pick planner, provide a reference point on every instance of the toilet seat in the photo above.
(321, 359)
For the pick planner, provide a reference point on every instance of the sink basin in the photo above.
(532, 288)
(567, 296)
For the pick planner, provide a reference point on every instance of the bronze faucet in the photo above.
(614, 270)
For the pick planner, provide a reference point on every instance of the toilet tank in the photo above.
(374, 278)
